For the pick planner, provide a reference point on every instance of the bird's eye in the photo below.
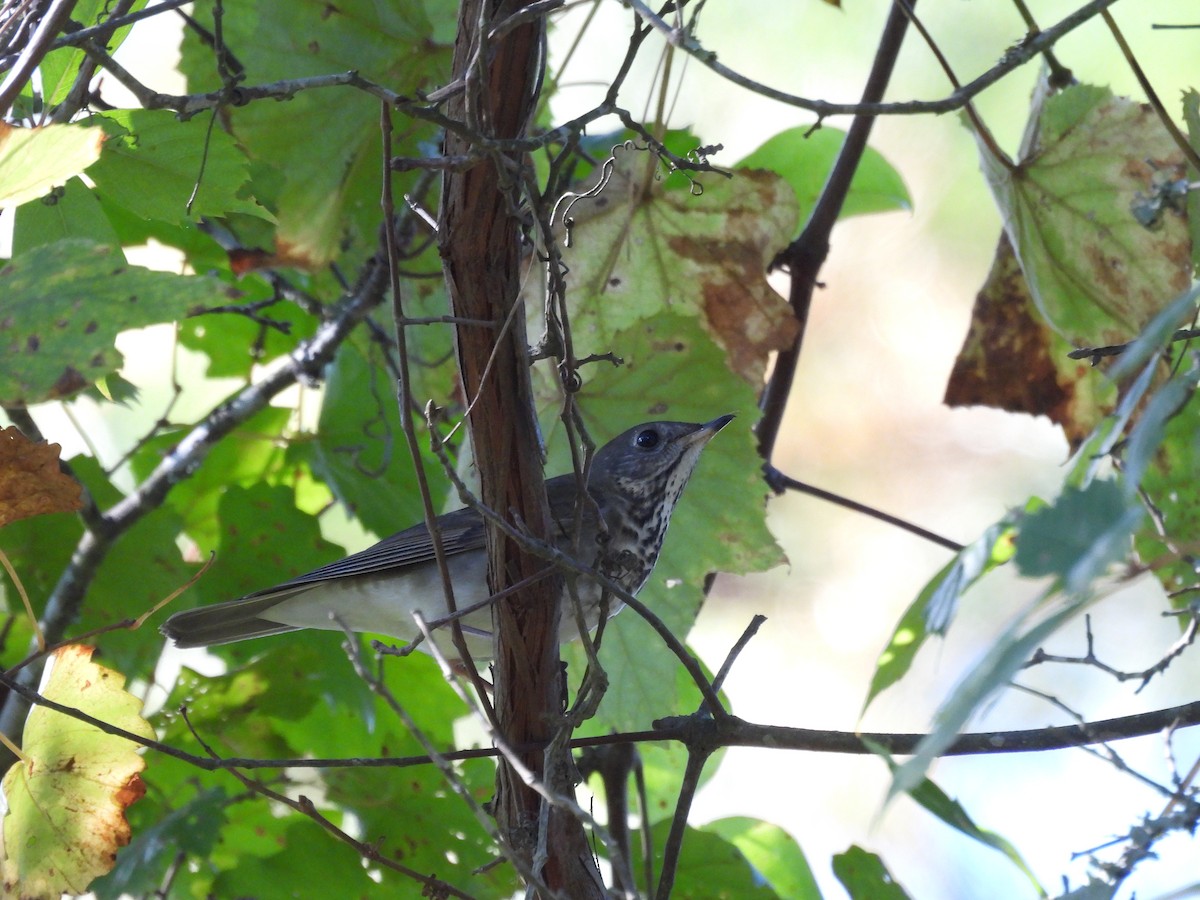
(647, 440)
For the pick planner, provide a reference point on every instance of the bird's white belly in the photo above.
(385, 604)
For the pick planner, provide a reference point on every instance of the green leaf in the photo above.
(1096, 273)
(39, 548)
(1079, 535)
(251, 455)
(64, 305)
(307, 855)
(805, 157)
(235, 344)
(72, 212)
(280, 698)
(710, 867)
(202, 253)
(1191, 116)
(1171, 484)
(191, 828)
(865, 877)
(1004, 659)
(1156, 336)
(1140, 454)
(153, 163)
(774, 854)
(934, 607)
(331, 198)
(141, 569)
(361, 452)
(950, 811)
(66, 798)
(265, 540)
(34, 160)
(436, 833)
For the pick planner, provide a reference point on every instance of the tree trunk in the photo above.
(481, 252)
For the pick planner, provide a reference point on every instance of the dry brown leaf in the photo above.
(31, 483)
(1012, 360)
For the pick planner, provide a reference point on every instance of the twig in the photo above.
(732, 732)
(433, 886)
(731, 657)
(308, 360)
(1184, 641)
(407, 403)
(1096, 353)
(39, 45)
(1164, 117)
(108, 26)
(455, 782)
(1016, 56)
(806, 255)
(780, 482)
(674, 846)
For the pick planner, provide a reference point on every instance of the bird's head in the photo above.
(654, 460)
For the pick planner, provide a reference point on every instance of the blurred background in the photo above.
(866, 420)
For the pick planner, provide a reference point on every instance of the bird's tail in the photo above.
(224, 623)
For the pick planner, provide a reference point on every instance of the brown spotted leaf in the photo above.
(65, 303)
(1075, 208)
(1012, 360)
(31, 483)
(645, 246)
(67, 798)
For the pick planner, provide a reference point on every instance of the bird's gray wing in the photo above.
(248, 616)
(461, 531)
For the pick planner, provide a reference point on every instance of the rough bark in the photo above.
(480, 238)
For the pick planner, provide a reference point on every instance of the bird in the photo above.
(633, 485)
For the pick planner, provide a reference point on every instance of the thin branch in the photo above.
(1016, 56)
(308, 360)
(1090, 659)
(780, 482)
(108, 26)
(731, 657)
(1164, 117)
(806, 255)
(407, 403)
(190, 104)
(674, 845)
(687, 729)
(1095, 354)
(39, 45)
(977, 124)
(433, 886)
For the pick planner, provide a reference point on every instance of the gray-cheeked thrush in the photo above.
(635, 480)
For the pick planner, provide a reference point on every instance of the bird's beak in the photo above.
(704, 433)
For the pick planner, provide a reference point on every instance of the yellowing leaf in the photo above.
(66, 800)
(31, 482)
(641, 248)
(1090, 162)
(35, 160)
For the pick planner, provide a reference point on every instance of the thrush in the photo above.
(633, 485)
